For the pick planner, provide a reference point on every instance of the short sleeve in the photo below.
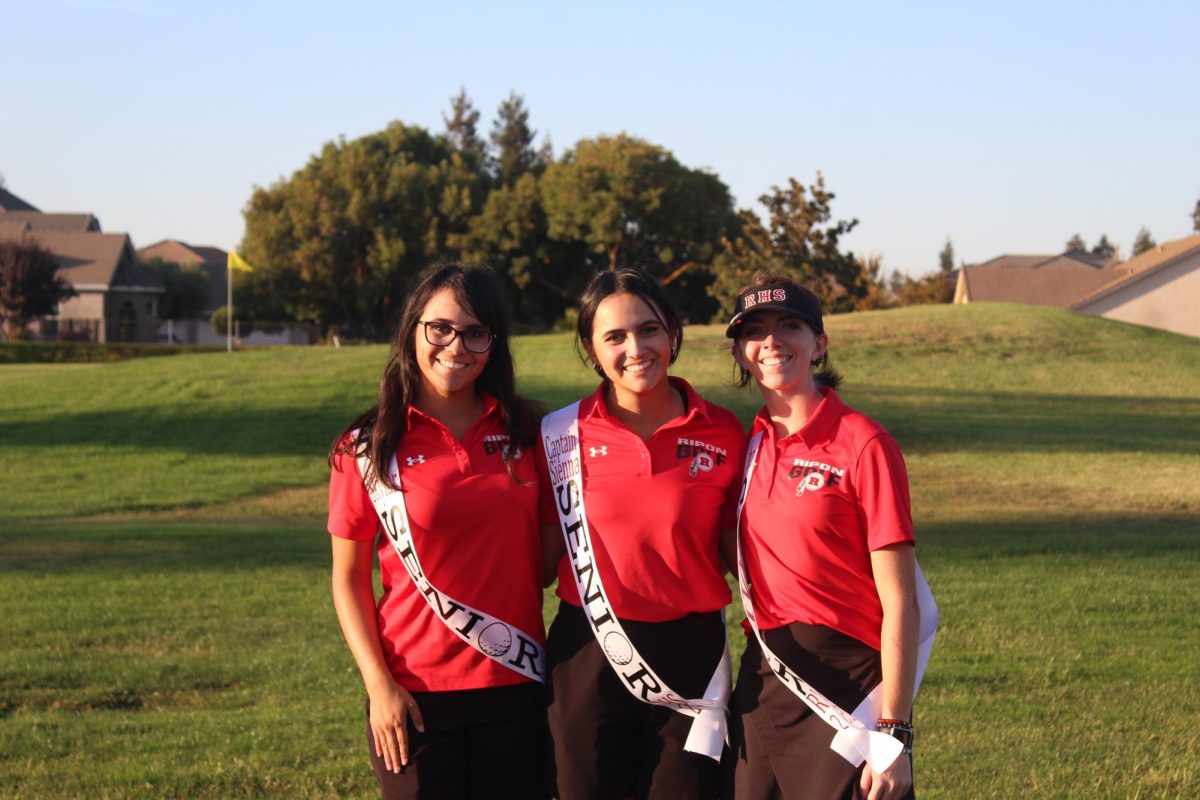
(881, 484)
(351, 514)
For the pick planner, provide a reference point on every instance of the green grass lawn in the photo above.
(165, 620)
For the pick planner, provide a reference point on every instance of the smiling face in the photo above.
(631, 344)
(450, 369)
(778, 350)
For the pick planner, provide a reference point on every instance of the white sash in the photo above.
(855, 740)
(489, 635)
(560, 435)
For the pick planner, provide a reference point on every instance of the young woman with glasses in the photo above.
(437, 478)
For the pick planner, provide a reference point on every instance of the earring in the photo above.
(599, 370)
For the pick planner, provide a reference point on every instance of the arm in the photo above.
(727, 545)
(553, 549)
(894, 567)
(354, 601)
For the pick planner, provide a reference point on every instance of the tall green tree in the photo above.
(511, 234)
(946, 257)
(631, 203)
(1076, 243)
(462, 130)
(512, 140)
(30, 286)
(1143, 242)
(340, 242)
(185, 288)
(1196, 218)
(1104, 247)
(799, 239)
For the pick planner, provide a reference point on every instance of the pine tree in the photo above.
(462, 128)
(1104, 247)
(1143, 242)
(513, 141)
(1076, 243)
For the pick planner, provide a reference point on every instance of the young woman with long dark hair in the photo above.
(643, 476)
(438, 479)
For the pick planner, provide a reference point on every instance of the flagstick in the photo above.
(228, 308)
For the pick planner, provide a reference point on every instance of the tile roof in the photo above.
(1142, 266)
(89, 260)
(1052, 280)
(10, 202)
(40, 222)
(12, 229)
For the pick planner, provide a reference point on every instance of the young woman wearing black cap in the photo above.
(828, 573)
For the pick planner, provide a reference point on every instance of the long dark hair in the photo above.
(824, 373)
(627, 280)
(378, 431)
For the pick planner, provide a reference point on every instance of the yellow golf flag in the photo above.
(237, 262)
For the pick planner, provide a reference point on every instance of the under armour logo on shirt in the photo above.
(598, 451)
(412, 462)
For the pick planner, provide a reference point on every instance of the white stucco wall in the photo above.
(1168, 299)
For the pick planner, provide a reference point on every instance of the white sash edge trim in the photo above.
(855, 740)
(491, 636)
(708, 732)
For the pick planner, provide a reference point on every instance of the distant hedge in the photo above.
(82, 352)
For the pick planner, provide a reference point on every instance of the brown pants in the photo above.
(780, 748)
(478, 743)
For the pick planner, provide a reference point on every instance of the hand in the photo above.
(891, 784)
(391, 708)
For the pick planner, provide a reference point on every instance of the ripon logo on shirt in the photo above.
(703, 456)
(497, 443)
(814, 475)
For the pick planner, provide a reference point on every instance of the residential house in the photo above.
(213, 260)
(116, 299)
(1056, 281)
(1159, 288)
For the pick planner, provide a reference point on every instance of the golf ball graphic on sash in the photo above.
(495, 639)
(618, 648)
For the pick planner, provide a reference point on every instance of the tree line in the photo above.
(340, 241)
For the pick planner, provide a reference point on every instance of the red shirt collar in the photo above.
(594, 406)
(818, 426)
(416, 416)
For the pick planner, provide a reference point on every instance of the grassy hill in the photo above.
(164, 605)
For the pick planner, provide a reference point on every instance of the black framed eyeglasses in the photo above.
(441, 334)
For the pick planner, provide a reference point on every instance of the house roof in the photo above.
(95, 261)
(40, 222)
(10, 202)
(12, 229)
(183, 253)
(1142, 266)
(210, 259)
(1044, 280)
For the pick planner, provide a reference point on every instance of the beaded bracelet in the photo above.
(893, 723)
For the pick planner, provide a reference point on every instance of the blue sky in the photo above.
(1007, 127)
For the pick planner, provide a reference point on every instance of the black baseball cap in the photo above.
(790, 298)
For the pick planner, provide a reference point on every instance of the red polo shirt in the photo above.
(477, 535)
(819, 502)
(655, 508)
